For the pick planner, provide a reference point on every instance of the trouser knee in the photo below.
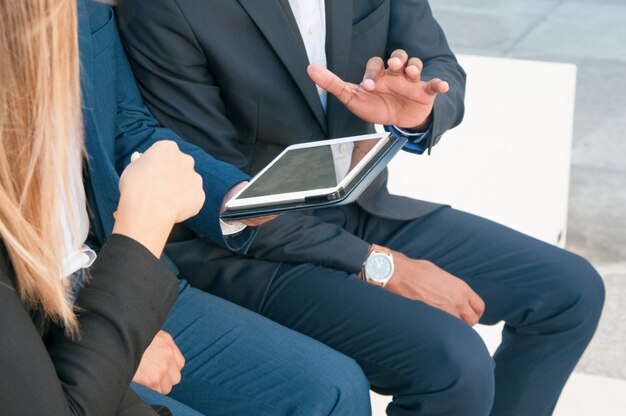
(339, 388)
(582, 293)
(473, 375)
(353, 389)
(460, 378)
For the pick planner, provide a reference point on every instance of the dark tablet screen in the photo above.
(310, 168)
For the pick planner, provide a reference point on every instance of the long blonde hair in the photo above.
(40, 119)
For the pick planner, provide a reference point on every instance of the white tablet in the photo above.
(311, 173)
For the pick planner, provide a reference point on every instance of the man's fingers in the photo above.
(330, 82)
(397, 62)
(469, 316)
(258, 221)
(413, 69)
(477, 304)
(373, 70)
(436, 86)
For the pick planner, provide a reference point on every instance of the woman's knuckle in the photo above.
(177, 377)
(165, 388)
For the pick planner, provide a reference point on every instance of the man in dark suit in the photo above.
(236, 362)
(390, 281)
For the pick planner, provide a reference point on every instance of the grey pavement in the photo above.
(592, 35)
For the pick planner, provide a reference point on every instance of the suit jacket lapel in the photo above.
(274, 19)
(338, 44)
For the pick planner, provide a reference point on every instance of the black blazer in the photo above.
(44, 372)
(230, 76)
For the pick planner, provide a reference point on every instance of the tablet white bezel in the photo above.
(293, 197)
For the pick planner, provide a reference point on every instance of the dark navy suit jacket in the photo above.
(230, 76)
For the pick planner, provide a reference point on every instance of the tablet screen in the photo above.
(310, 168)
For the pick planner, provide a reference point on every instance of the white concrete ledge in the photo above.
(509, 160)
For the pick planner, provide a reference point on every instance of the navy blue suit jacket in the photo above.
(230, 76)
(117, 123)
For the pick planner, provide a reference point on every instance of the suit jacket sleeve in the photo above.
(138, 130)
(413, 28)
(121, 310)
(307, 239)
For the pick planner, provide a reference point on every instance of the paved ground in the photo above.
(592, 35)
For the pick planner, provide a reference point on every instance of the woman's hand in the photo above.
(157, 190)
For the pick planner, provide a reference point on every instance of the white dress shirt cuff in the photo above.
(415, 136)
(231, 227)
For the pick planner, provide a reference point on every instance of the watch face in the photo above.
(378, 267)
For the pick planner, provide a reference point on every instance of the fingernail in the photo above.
(135, 156)
(369, 84)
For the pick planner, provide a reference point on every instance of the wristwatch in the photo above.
(378, 266)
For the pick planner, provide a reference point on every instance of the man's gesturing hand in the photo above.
(392, 96)
(160, 364)
(424, 281)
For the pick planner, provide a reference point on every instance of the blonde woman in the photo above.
(57, 358)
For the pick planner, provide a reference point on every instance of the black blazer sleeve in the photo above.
(121, 310)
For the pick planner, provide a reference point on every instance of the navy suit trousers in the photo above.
(431, 362)
(240, 363)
